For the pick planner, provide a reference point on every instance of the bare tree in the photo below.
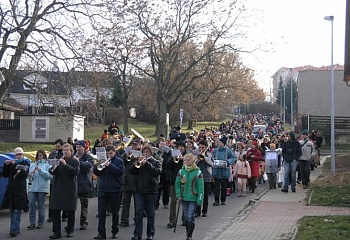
(168, 28)
(41, 32)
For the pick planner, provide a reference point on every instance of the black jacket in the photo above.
(174, 168)
(16, 191)
(291, 150)
(85, 174)
(146, 176)
(65, 188)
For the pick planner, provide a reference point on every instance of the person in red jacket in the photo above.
(254, 157)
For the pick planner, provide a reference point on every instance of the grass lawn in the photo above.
(336, 147)
(338, 196)
(324, 228)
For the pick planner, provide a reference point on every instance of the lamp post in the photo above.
(291, 101)
(284, 103)
(331, 18)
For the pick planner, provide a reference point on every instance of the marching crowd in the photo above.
(179, 169)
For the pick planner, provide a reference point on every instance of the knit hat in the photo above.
(305, 132)
(223, 140)
(292, 135)
(255, 143)
(81, 143)
(18, 150)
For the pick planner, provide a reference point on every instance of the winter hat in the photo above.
(305, 132)
(223, 140)
(255, 143)
(18, 150)
(292, 135)
(81, 143)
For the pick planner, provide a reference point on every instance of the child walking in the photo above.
(242, 173)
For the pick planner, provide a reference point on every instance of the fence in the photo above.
(9, 124)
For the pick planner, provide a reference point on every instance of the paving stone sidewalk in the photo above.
(275, 215)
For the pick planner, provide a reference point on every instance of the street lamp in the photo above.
(331, 18)
(291, 101)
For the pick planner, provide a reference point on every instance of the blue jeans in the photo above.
(104, 199)
(290, 169)
(145, 201)
(35, 197)
(189, 210)
(15, 220)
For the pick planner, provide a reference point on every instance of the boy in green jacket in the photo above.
(189, 187)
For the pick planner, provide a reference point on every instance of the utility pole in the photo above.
(291, 101)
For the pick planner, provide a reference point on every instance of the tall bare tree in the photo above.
(168, 28)
(41, 32)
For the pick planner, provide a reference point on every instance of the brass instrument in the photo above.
(201, 155)
(176, 159)
(102, 165)
(141, 161)
(129, 157)
(176, 154)
(134, 135)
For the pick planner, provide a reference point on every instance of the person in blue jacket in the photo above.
(109, 190)
(39, 181)
(222, 157)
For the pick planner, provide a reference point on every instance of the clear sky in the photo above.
(294, 33)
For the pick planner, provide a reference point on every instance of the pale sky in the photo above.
(295, 34)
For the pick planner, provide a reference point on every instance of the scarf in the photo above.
(190, 168)
(23, 161)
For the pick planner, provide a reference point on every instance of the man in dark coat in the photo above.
(109, 189)
(173, 166)
(146, 173)
(57, 153)
(84, 181)
(291, 152)
(15, 196)
(64, 191)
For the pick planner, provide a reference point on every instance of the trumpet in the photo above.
(102, 165)
(201, 155)
(176, 159)
(141, 161)
(129, 157)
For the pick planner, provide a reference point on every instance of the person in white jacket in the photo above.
(308, 152)
(242, 173)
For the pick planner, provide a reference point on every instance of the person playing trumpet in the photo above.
(64, 191)
(109, 189)
(128, 187)
(173, 166)
(204, 163)
(146, 170)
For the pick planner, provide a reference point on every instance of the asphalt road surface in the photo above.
(207, 228)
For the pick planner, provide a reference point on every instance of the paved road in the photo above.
(219, 218)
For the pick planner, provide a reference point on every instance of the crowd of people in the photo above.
(179, 169)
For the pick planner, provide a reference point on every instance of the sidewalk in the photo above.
(275, 214)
